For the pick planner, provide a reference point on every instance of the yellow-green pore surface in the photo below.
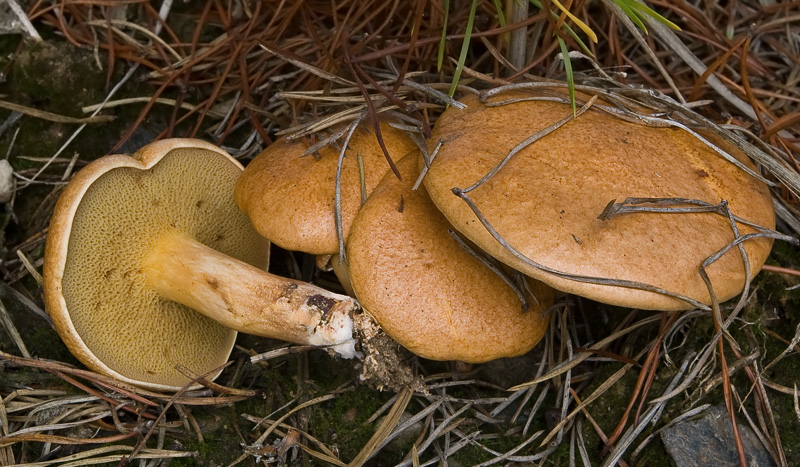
(546, 200)
(126, 325)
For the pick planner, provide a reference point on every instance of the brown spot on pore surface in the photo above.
(402, 205)
(701, 173)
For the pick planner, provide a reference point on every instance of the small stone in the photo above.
(709, 441)
(9, 22)
(7, 183)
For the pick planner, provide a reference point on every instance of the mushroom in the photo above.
(289, 196)
(137, 246)
(425, 289)
(545, 201)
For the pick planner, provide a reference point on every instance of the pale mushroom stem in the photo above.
(247, 299)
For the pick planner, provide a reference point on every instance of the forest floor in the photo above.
(236, 74)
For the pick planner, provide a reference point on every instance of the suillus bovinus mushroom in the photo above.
(426, 290)
(289, 196)
(545, 201)
(150, 266)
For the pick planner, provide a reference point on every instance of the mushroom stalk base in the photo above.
(247, 299)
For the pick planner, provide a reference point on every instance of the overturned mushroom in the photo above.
(426, 290)
(138, 245)
(545, 201)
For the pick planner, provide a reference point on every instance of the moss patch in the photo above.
(58, 76)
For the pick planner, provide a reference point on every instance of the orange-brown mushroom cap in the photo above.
(425, 290)
(289, 197)
(106, 220)
(546, 200)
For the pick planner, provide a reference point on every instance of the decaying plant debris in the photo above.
(604, 382)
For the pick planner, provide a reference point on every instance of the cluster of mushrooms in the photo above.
(155, 261)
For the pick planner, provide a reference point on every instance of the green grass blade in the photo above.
(581, 25)
(566, 28)
(501, 16)
(631, 12)
(576, 38)
(462, 58)
(443, 40)
(568, 72)
(636, 12)
(654, 14)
